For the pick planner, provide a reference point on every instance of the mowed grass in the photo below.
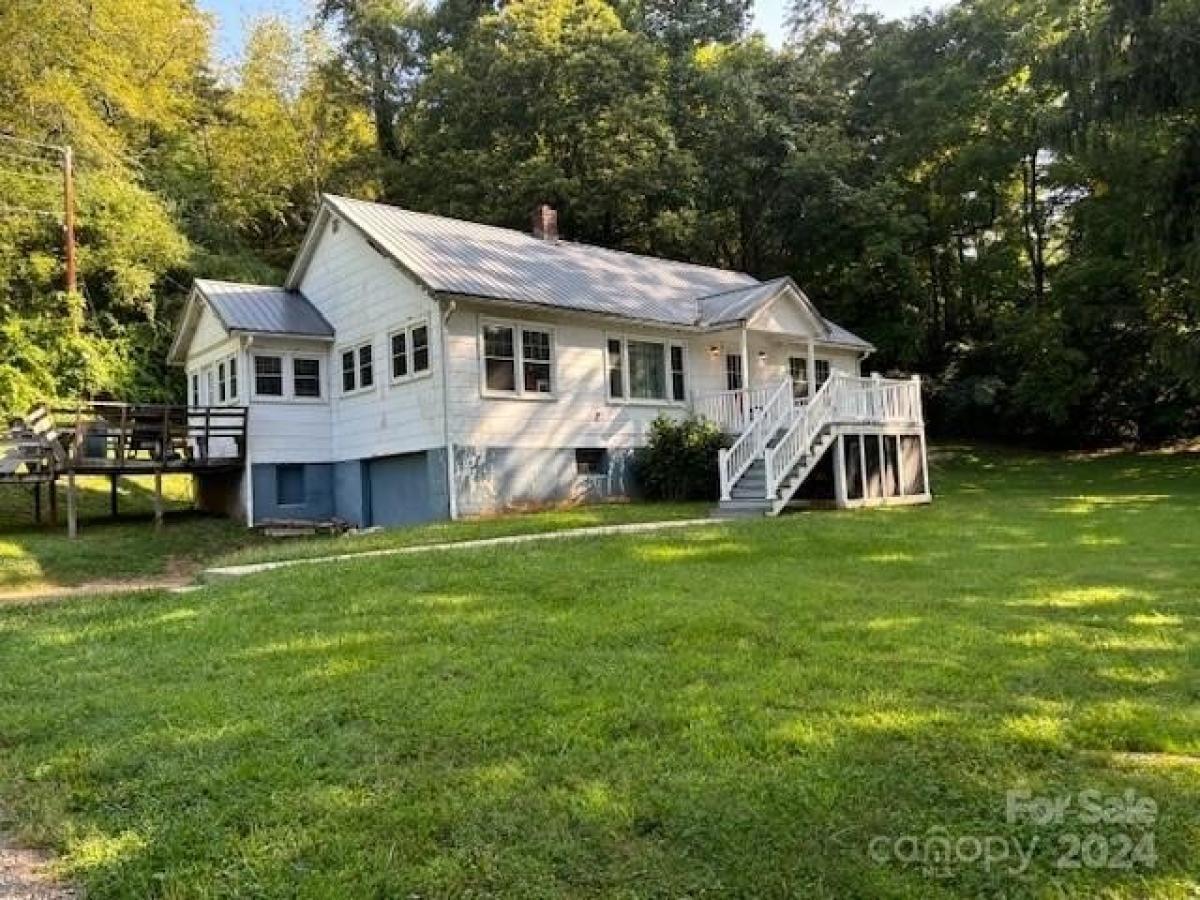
(41, 557)
(739, 710)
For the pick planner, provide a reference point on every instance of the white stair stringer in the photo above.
(801, 471)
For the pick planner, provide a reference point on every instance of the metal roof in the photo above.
(456, 257)
(261, 309)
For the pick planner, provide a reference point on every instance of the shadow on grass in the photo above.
(739, 711)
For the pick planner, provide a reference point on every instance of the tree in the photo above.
(580, 123)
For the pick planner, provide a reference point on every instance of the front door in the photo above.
(733, 372)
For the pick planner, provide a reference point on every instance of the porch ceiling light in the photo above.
(714, 350)
(762, 356)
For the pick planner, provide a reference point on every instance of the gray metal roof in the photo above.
(457, 257)
(264, 310)
(738, 305)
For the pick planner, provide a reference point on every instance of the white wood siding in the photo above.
(365, 297)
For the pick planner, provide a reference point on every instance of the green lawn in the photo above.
(40, 558)
(34, 558)
(745, 710)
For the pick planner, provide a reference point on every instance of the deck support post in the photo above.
(839, 473)
(37, 503)
(54, 500)
(112, 494)
(158, 500)
(72, 506)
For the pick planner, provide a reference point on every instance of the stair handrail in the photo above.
(806, 424)
(736, 459)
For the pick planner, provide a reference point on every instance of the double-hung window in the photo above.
(410, 351)
(358, 368)
(195, 390)
(517, 359)
(221, 382)
(646, 370)
(268, 375)
(233, 378)
(306, 377)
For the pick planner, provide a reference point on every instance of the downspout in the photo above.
(451, 489)
(246, 389)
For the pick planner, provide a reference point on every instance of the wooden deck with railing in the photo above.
(117, 440)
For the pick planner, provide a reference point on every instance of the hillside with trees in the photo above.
(1004, 196)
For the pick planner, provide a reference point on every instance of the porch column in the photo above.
(812, 368)
(745, 359)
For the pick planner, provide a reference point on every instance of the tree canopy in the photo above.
(1004, 196)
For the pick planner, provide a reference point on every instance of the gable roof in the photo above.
(264, 310)
(459, 258)
(249, 309)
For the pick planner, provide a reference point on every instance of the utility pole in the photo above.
(69, 216)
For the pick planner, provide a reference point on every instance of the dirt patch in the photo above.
(23, 875)
(44, 593)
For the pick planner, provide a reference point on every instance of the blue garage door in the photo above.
(398, 490)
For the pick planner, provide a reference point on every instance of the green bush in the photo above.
(680, 460)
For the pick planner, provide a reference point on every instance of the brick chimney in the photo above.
(545, 222)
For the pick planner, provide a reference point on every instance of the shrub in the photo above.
(680, 460)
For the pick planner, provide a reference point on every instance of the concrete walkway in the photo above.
(218, 572)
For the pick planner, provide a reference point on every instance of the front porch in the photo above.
(863, 439)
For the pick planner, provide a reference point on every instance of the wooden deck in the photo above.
(116, 440)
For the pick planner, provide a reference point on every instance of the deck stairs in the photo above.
(773, 457)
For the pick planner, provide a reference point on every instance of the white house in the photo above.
(414, 367)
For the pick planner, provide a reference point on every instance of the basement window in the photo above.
(591, 461)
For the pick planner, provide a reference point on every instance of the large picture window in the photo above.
(517, 359)
(646, 370)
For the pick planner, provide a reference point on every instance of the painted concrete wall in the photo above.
(406, 488)
(318, 501)
(492, 479)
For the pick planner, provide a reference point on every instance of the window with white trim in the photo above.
(646, 370)
(517, 359)
(306, 377)
(221, 382)
(358, 368)
(268, 375)
(410, 351)
(195, 389)
(233, 378)
(616, 369)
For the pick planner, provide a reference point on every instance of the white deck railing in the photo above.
(766, 420)
(842, 399)
(733, 411)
